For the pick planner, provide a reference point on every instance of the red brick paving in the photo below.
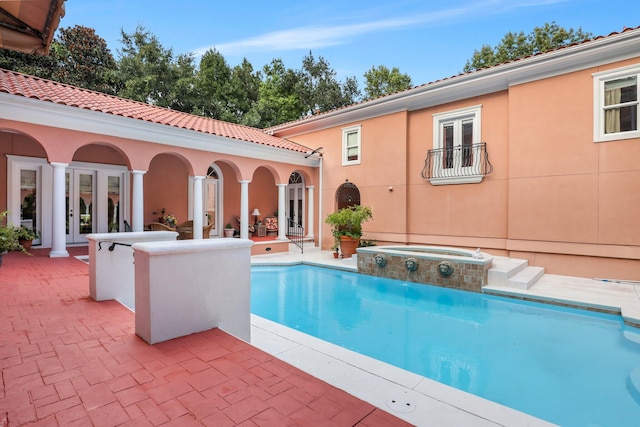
(67, 360)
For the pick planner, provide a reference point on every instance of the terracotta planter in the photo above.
(26, 244)
(348, 246)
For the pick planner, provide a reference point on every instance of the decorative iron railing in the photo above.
(295, 233)
(470, 161)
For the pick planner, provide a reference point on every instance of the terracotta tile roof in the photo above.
(27, 86)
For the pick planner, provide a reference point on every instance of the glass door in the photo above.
(296, 203)
(29, 205)
(114, 203)
(211, 203)
(80, 195)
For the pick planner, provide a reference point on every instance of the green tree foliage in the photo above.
(518, 45)
(149, 72)
(83, 59)
(383, 81)
(278, 100)
(318, 88)
(77, 56)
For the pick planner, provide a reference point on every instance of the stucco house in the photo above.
(535, 158)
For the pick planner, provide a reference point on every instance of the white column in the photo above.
(244, 209)
(198, 209)
(310, 224)
(282, 212)
(137, 201)
(58, 212)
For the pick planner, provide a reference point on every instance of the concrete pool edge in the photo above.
(382, 385)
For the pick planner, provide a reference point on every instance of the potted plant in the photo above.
(26, 236)
(8, 236)
(228, 230)
(346, 227)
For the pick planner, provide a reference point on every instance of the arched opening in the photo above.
(213, 198)
(296, 202)
(347, 195)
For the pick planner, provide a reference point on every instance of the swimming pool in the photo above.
(567, 366)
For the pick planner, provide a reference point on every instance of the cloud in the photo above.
(318, 36)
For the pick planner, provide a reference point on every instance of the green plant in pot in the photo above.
(26, 236)
(228, 230)
(8, 236)
(346, 227)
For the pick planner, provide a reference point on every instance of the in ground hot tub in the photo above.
(435, 265)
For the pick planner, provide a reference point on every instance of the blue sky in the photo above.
(429, 40)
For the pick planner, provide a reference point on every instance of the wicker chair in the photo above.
(206, 231)
(158, 226)
(185, 230)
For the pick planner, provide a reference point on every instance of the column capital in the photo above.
(199, 177)
(311, 187)
(244, 181)
(59, 164)
(281, 185)
(138, 172)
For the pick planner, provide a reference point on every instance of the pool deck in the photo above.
(68, 360)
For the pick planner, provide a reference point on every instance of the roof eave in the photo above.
(33, 111)
(618, 47)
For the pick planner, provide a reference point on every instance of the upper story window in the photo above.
(616, 104)
(458, 156)
(351, 146)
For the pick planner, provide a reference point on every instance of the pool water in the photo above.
(568, 366)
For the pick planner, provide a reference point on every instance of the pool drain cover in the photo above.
(401, 404)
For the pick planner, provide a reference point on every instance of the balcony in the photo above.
(458, 165)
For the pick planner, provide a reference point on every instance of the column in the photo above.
(282, 212)
(310, 223)
(58, 213)
(137, 201)
(198, 209)
(244, 209)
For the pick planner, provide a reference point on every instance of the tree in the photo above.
(214, 85)
(318, 88)
(146, 68)
(81, 58)
(518, 45)
(77, 57)
(382, 81)
(278, 100)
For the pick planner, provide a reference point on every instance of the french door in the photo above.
(80, 193)
(295, 200)
(94, 202)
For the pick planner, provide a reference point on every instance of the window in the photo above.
(456, 155)
(616, 101)
(351, 143)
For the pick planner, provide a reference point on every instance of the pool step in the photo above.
(513, 273)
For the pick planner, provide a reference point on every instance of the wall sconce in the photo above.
(256, 214)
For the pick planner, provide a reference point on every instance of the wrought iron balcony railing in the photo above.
(457, 165)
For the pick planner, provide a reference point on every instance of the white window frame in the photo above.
(439, 119)
(599, 80)
(345, 132)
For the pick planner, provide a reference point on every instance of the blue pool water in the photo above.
(567, 366)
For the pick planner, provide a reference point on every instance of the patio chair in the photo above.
(271, 222)
(158, 226)
(251, 228)
(185, 230)
(206, 231)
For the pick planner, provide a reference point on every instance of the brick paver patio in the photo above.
(67, 360)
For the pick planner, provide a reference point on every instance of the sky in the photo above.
(427, 39)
